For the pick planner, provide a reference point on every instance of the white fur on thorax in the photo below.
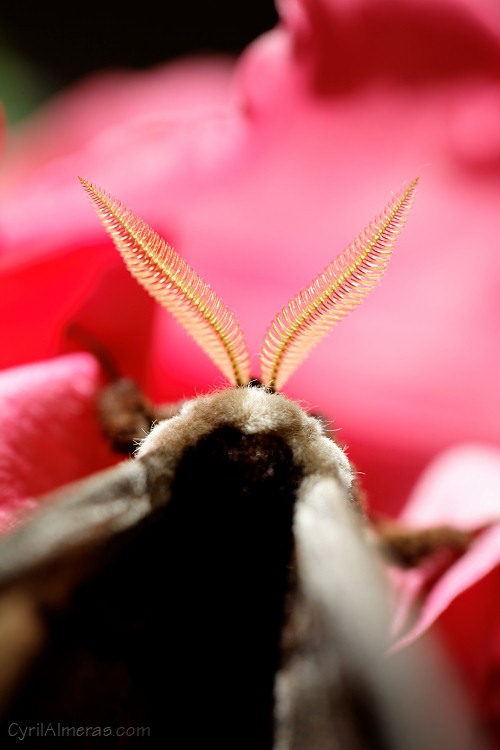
(251, 410)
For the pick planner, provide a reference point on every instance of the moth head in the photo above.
(297, 328)
(243, 424)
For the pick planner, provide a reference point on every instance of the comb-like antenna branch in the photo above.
(341, 287)
(171, 281)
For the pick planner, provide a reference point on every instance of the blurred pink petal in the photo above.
(49, 431)
(455, 597)
(482, 557)
(264, 182)
(461, 488)
(104, 100)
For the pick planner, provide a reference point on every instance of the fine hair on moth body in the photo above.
(221, 587)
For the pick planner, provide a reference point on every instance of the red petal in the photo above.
(462, 489)
(49, 429)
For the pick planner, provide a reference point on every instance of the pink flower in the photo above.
(44, 445)
(260, 173)
(456, 598)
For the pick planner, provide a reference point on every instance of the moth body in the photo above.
(228, 591)
(194, 585)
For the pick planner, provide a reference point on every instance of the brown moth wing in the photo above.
(49, 666)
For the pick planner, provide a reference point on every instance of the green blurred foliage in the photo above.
(23, 85)
(45, 46)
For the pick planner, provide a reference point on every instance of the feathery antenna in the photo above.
(169, 278)
(341, 287)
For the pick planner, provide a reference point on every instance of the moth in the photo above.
(222, 587)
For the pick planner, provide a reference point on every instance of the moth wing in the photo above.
(79, 517)
(44, 565)
(337, 687)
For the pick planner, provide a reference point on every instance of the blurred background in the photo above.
(342, 105)
(46, 46)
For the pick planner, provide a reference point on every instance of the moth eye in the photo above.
(254, 383)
